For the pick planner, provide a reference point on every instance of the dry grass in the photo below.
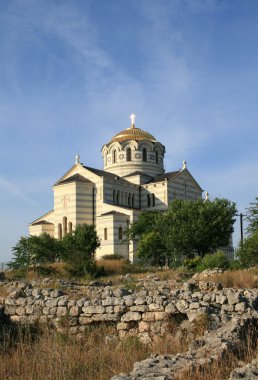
(39, 355)
(221, 369)
(238, 279)
(59, 357)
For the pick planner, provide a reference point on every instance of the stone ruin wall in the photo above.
(145, 313)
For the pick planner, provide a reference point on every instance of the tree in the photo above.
(252, 217)
(21, 253)
(35, 250)
(185, 229)
(197, 227)
(78, 249)
(151, 250)
(248, 253)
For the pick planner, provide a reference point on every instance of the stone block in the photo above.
(110, 301)
(29, 309)
(194, 305)
(85, 320)
(109, 309)
(51, 303)
(161, 316)
(182, 305)
(10, 310)
(155, 307)
(131, 316)
(93, 309)
(241, 306)
(119, 309)
(233, 299)
(227, 307)
(20, 310)
(140, 308)
(74, 311)
(129, 300)
(61, 311)
(21, 301)
(149, 316)
(170, 308)
(140, 301)
(123, 326)
(221, 299)
(143, 326)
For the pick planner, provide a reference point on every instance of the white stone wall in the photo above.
(121, 166)
(112, 245)
(182, 186)
(39, 229)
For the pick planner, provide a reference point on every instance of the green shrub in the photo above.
(216, 260)
(192, 263)
(112, 257)
(236, 264)
(248, 253)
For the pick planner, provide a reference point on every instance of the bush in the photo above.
(216, 260)
(192, 263)
(78, 250)
(248, 254)
(113, 257)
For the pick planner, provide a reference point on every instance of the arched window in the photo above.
(59, 231)
(144, 154)
(148, 200)
(65, 225)
(114, 156)
(128, 154)
(117, 197)
(114, 196)
(153, 199)
(105, 233)
(157, 157)
(70, 227)
(120, 233)
(129, 200)
(133, 200)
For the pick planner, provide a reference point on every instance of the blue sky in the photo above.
(72, 71)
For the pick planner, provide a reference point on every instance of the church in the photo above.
(133, 180)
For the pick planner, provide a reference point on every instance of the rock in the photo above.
(248, 371)
(241, 306)
(75, 311)
(93, 309)
(182, 305)
(131, 316)
(170, 308)
(61, 311)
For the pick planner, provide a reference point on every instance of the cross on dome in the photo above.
(132, 117)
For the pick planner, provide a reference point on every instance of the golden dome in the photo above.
(133, 133)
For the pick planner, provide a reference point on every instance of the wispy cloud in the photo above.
(9, 187)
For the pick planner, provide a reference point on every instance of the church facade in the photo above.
(133, 180)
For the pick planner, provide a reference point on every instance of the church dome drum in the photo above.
(133, 150)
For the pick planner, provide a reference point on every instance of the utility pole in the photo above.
(241, 215)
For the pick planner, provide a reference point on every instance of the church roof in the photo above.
(133, 133)
(113, 213)
(165, 176)
(137, 173)
(74, 178)
(40, 222)
(103, 173)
